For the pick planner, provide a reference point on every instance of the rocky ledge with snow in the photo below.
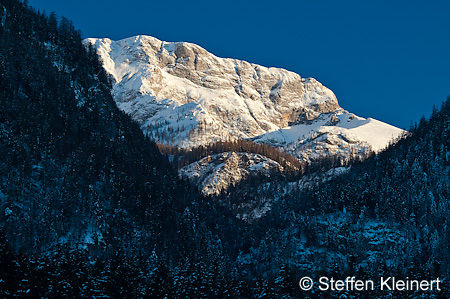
(217, 172)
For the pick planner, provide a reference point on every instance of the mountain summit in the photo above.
(183, 95)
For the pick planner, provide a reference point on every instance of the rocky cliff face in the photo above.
(216, 173)
(183, 95)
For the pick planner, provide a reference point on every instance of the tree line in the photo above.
(185, 157)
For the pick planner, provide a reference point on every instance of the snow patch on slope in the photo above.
(338, 133)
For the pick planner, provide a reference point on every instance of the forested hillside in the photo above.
(408, 184)
(386, 216)
(78, 180)
(73, 167)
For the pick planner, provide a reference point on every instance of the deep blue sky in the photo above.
(389, 60)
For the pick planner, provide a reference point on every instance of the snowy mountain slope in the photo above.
(338, 133)
(182, 95)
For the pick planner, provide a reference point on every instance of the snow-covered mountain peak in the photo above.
(183, 95)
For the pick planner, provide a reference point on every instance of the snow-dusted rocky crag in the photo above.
(216, 173)
(192, 97)
(185, 96)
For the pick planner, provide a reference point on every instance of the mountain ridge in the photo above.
(185, 96)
